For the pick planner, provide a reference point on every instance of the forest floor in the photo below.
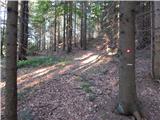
(84, 88)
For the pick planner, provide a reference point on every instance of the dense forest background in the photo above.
(80, 60)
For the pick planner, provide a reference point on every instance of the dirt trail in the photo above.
(85, 89)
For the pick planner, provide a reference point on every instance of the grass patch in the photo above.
(86, 87)
(45, 60)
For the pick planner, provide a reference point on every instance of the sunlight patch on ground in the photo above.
(91, 59)
(36, 73)
(68, 67)
(83, 56)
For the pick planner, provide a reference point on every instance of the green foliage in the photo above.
(31, 48)
(39, 9)
(37, 61)
(86, 87)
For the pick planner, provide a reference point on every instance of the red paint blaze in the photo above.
(128, 50)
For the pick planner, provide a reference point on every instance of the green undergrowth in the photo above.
(86, 87)
(42, 61)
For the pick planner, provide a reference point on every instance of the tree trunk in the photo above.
(64, 31)
(75, 21)
(59, 40)
(55, 24)
(11, 57)
(43, 36)
(156, 40)
(23, 31)
(84, 26)
(51, 38)
(26, 29)
(69, 47)
(127, 86)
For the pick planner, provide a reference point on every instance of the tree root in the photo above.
(136, 114)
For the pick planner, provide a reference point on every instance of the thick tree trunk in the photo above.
(127, 86)
(156, 40)
(11, 57)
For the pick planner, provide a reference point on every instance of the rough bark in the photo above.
(11, 57)
(156, 40)
(127, 86)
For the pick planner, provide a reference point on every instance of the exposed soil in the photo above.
(85, 89)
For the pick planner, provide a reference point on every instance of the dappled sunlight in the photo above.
(92, 59)
(36, 73)
(66, 68)
(42, 73)
(84, 56)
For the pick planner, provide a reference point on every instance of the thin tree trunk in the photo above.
(64, 31)
(85, 26)
(26, 29)
(43, 37)
(69, 49)
(51, 39)
(81, 38)
(11, 61)
(127, 86)
(23, 41)
(55, 24)
(75, 21)
(21, 34)
(59, 32)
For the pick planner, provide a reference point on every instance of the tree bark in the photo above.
(69, 47)
(85, 25)
(75, 21)
(23, 41)
(127, 86)
(11, 57)
(43, 36)
(81, 38)
(64, 31)
(55, 24)
(156, 40)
